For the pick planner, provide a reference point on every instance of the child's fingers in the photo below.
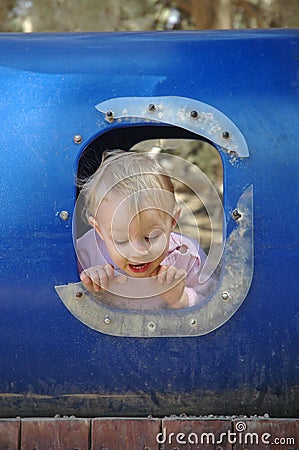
(162, 274)
(169, 274)
(84, 277)
(120, 279)
(95, 278)
(102, 278)
(98, 277)
(181, 273)
(87, 282)
(109, 271)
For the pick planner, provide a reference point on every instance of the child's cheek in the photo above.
(160, 246)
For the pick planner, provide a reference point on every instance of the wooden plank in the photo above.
(195, 434)
(264, 434)
(55, 434)
(124, 434)
(9, 434)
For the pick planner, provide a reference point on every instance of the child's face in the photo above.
(138, 244)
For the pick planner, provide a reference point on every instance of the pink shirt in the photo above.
(183, 253)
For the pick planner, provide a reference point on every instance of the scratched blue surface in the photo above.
(49, 85)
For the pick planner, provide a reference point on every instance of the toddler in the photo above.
(130, 204)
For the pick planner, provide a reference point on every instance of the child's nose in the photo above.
(139, 248)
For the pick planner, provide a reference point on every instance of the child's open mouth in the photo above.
(139, 268)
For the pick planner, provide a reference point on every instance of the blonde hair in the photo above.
(137, 176)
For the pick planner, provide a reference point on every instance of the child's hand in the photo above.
(174, 296)
(96, 278)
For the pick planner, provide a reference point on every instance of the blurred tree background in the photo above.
(138, 15)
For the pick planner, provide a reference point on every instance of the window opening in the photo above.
(179, 158)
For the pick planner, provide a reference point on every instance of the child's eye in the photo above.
(121, 242)
(152, 237)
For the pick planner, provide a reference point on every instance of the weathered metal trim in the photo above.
(187, 113)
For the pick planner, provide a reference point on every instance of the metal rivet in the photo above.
(194, 114)
(225, 134)
(77, 139)
(151, 107)
(192, 322)
(236, 215)
(107, 320)
(225, 296)
(151, 326)
(110, 116)
(64, 215)
(79, 294)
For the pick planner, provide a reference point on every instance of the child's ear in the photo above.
(175, 216)
(92, 221)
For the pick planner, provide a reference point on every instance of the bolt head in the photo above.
(225, 296)
(78, 139)
(64, 215)
(225, 134)
(110, 116)
(151, 107)
(194, 114)
(236, 215)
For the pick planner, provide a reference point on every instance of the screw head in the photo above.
(64, 215)
(236, 215)
(151, 107)
(110, 116)
(225, 296)
(79, 294)
(151, 326)
(225, 134)
(107, 320)
(194, 114)
(78, 139)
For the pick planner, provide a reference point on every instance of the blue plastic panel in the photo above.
(51, 362)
